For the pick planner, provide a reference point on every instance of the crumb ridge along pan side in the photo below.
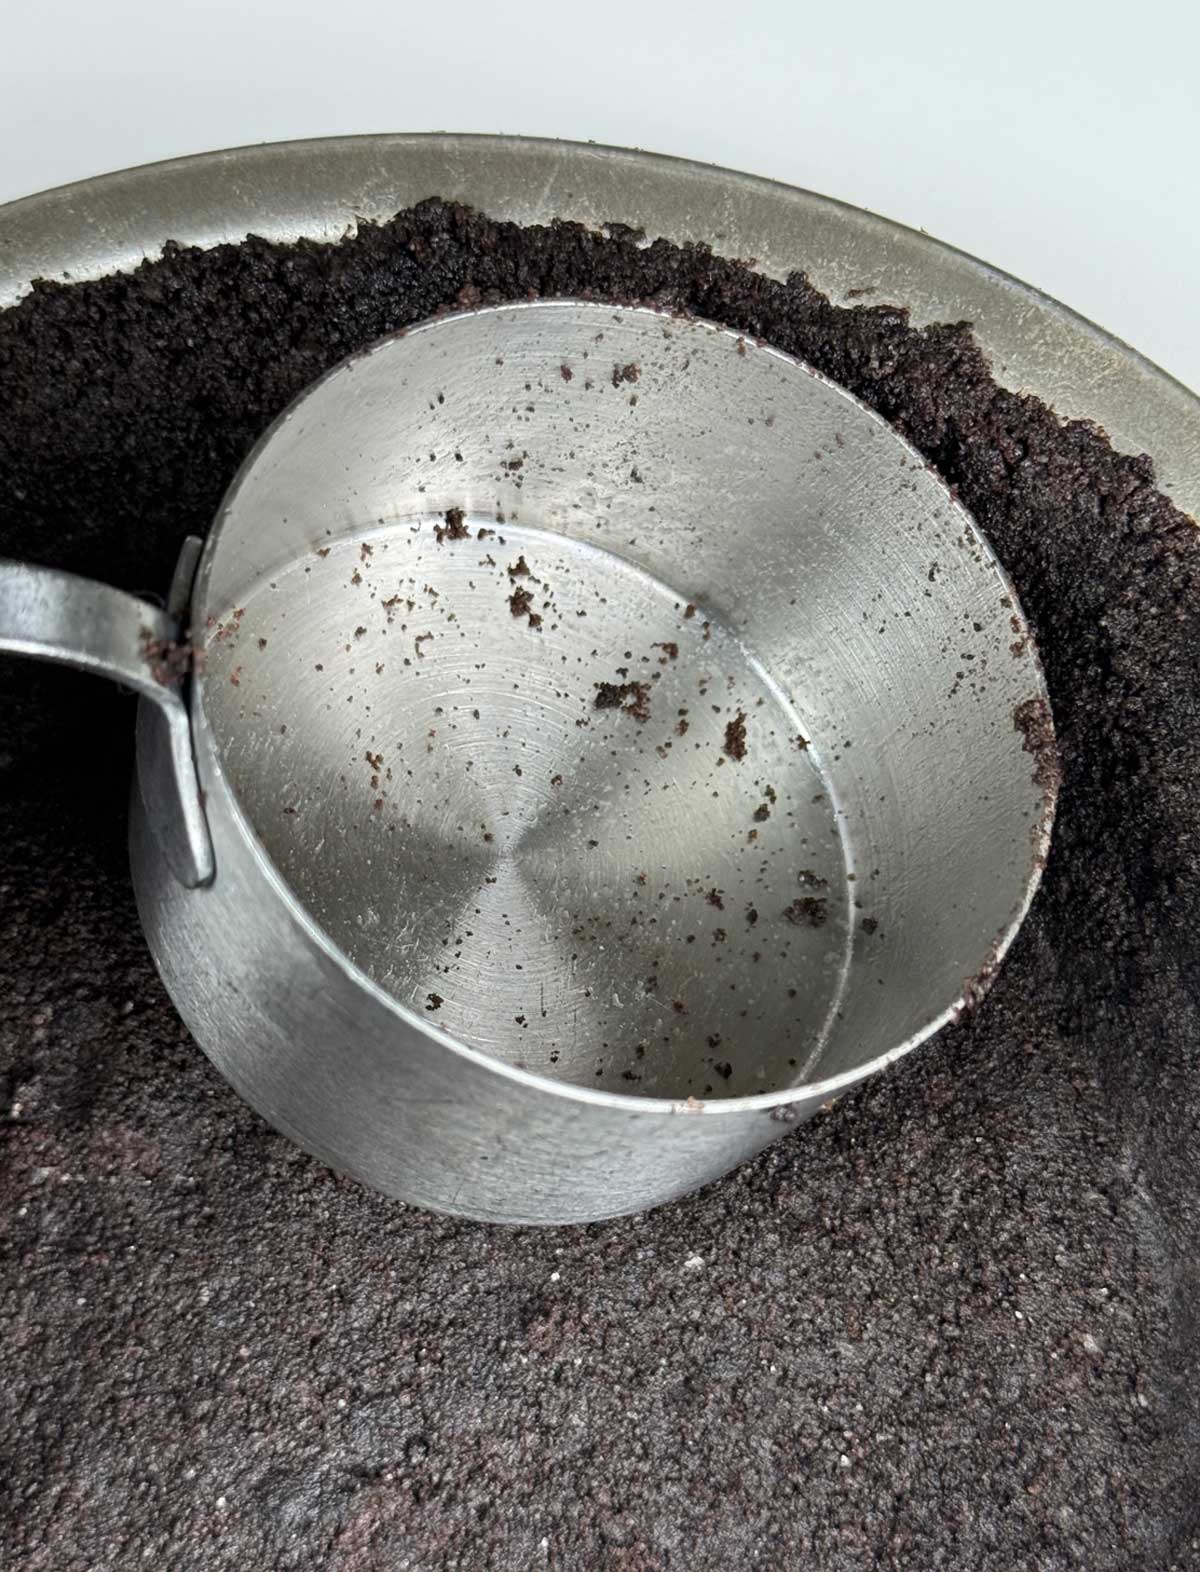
(321, 187)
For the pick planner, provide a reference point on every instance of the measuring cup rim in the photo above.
(808, 1092)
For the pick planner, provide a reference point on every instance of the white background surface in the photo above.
(1060, 141)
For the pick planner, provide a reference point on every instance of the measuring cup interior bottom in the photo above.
(543, 800)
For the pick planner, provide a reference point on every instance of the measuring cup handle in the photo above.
(60, 617)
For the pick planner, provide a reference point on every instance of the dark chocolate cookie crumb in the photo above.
(169, 661)
(520, 604)
(632, 698)
(735, 737)
(454, 528)
(807, 911)
(1033, 720)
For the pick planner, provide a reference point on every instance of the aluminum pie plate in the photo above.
(321, 188)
